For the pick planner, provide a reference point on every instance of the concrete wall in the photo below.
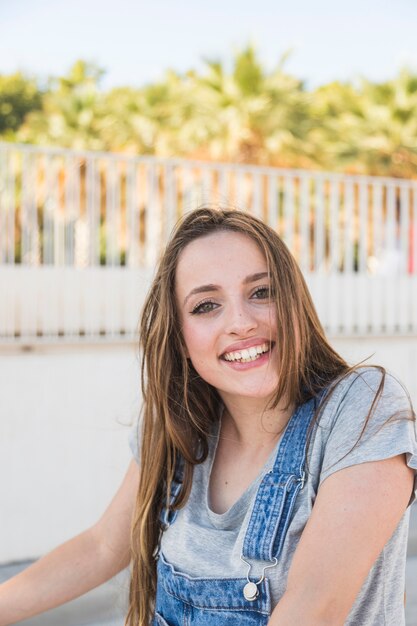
(64, 416)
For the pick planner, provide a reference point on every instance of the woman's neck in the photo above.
(250, 424)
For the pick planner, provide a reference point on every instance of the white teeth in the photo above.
(246, 355)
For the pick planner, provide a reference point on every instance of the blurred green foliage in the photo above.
(245, 114)
(18, 97)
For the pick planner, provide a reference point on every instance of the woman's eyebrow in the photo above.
(201, 289)
(252, 278)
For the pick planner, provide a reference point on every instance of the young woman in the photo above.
(272, 481)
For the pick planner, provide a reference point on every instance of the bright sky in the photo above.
(136, 40)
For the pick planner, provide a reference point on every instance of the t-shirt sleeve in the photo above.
(134, 440)
(390, 430)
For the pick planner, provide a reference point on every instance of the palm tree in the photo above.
(249, 115)
(370, 129)
(71, 114)
(149, 120)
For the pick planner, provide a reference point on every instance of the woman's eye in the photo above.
(262, 293)
(204, 307)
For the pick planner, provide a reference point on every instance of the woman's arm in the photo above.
(76, 566)
(355, 513)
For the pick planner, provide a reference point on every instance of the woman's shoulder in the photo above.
(370, 387)
(370, 418)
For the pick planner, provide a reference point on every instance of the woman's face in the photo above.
(228, 317)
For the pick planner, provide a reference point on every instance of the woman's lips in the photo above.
(262, 359)
(246, 344)
(247, 350)
(247, 354)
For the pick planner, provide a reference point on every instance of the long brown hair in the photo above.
(179, 407)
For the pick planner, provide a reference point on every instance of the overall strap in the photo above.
(276, 495)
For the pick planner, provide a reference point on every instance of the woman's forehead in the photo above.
(220, 256)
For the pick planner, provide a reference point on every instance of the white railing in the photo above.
(80, 233)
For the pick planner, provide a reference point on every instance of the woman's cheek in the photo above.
(198, 334)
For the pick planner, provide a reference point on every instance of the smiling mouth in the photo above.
(248, 354)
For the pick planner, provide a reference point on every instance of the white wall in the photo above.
(63, 441)
(63, 433)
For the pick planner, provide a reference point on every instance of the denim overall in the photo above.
(182, 600)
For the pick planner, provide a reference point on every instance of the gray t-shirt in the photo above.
(202, 543)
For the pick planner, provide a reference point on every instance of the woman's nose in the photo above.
(240, 320)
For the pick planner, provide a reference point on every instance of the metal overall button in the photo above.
(250, 590)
